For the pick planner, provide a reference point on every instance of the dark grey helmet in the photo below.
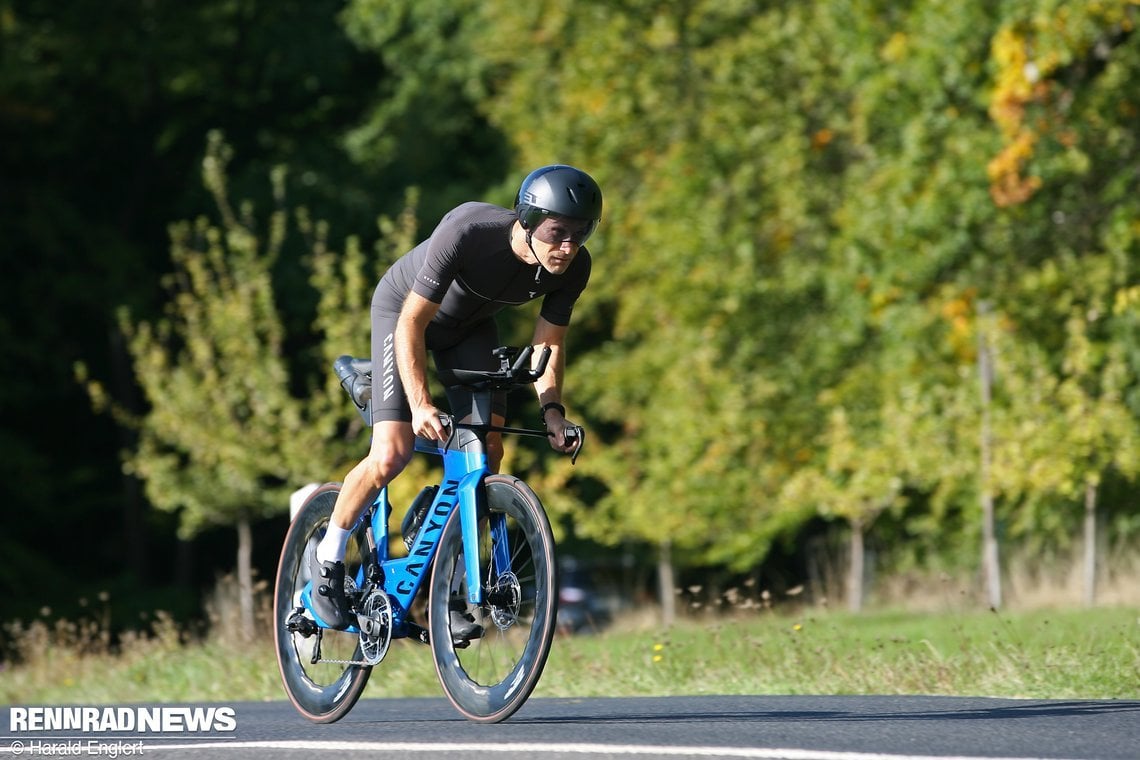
(558, 190)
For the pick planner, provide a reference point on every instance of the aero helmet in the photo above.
(558, 190)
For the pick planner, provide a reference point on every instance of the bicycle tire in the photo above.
(323, 692)
(491, 678)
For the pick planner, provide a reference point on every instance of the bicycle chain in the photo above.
(323, 661)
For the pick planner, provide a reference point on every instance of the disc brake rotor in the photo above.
(505, 598)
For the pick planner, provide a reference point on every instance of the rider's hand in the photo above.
(427, 423)
(557, 425)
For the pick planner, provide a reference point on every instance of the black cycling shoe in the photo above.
(462, 623)
(329, 602)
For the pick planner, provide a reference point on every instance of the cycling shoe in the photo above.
(328, 599)
(462, 624)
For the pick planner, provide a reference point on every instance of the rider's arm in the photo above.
(411, 359)
(549, 386)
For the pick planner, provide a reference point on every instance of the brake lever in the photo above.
(579, 436)
(448, 423)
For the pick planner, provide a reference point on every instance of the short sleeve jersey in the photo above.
(468, 268)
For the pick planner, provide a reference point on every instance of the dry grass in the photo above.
(924, 635)
(1029, 583)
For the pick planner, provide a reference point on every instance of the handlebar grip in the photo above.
(543, 360)
(521, 359)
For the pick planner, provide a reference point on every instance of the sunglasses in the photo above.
(556, 230)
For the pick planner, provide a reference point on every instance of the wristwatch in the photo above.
(551, 405)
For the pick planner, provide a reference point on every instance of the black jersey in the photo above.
(468, 268)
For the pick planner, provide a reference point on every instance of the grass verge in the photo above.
(1087, 653)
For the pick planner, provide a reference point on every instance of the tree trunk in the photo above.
(184, 563)
(1090, 562)
(135, 537)
(990, 565)
(855, 568)
(666, 585)
(245, 577)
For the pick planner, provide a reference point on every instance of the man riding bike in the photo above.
(442, 296)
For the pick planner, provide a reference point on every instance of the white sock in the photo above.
(331, 547)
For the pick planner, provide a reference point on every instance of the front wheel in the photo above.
(489, 658)
(323, 691)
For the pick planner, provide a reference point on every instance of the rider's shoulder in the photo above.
(478, 214)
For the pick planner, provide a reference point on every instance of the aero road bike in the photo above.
(479, 545)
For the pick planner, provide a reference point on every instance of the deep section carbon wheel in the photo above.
(489, 657)
(324, 671)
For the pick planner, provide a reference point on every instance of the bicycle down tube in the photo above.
(464, 468)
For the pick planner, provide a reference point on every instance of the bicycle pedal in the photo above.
(301, 623)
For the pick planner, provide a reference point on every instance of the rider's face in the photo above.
(555, 258)
(556, 241)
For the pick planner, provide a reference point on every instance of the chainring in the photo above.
(377, 607)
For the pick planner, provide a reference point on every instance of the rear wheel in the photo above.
(326, 690)
(489, 676)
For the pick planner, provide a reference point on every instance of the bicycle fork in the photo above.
(469, 457)
(472, 500)
(472, 503)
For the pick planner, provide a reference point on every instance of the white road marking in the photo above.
(575, 749)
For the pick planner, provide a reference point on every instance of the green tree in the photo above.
(424, 127)
(104, 107)
(226, 439)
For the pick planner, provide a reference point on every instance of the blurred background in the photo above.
(865, 311)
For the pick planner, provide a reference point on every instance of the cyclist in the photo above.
(442, 296)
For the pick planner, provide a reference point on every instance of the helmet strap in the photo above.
(530, 245)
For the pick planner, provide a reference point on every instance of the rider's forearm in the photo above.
(549, 386)
(411, 350)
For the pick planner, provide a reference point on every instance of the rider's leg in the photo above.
(392, 446)
(495, 444)
(392, 438)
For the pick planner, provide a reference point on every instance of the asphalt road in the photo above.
(769, 727)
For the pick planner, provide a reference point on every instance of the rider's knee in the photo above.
(381, 466)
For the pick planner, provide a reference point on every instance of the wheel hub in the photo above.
(505, 598)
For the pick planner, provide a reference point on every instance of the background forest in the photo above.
(866, 294)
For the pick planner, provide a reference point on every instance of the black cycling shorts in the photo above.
(467, 347)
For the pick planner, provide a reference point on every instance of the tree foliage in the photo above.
(808, 203)
(815, 214)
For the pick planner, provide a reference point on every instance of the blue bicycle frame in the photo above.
(464, 468)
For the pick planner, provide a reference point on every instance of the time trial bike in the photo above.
(479, 545)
